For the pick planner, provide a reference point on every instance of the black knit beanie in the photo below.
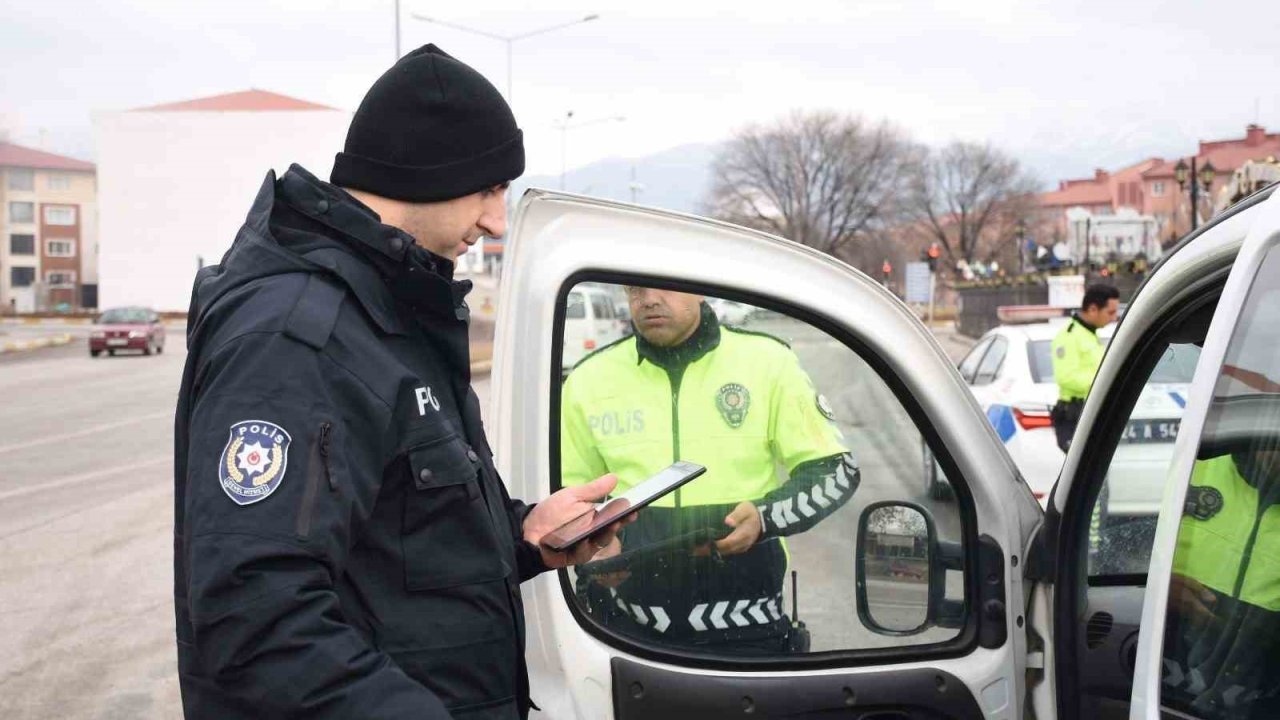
(430, 129)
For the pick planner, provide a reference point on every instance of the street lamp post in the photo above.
(509, 40)
(1020, 234)
(1196, 179)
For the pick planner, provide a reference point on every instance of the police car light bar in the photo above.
(1022, 314)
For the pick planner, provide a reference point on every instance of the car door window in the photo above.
(1222, 624)
(575, 307)
(991, 362)
(800, 436)
(1123, 522)
(969, 365)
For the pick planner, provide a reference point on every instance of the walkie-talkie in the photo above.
(798, 638)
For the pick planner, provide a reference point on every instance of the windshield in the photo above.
(1177, 365)
(124, 316)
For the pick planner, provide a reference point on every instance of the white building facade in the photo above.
(1125, 235)
(176, 181)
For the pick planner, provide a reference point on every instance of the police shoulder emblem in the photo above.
(1062, 351)
(732, 401)
(1203, 502)
(253, 463)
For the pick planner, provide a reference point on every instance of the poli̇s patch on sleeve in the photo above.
(253, 462)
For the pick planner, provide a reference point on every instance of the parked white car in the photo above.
(1010, 372)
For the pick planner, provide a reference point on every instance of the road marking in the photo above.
(78, 479)
(87, 431)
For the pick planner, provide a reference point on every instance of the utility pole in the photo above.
(635, 187)
(397, 58)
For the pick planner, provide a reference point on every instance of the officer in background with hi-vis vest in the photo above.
(686, 387)
(1077, 353)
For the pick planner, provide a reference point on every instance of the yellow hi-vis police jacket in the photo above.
(742, 410)
(738, 403)
(1227, 540)
(1077, 353)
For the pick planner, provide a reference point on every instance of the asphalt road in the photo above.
(86, 524)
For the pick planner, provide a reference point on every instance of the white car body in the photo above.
(1017, 391)
(1031, 606)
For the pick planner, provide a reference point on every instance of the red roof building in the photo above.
(1150, 188)
(251, 100)
(17, 156)
(48, 231)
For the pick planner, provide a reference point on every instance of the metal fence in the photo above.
(977, 305)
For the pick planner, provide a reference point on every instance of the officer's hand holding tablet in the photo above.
(597, 525)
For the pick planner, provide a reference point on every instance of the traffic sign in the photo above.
(917, 282)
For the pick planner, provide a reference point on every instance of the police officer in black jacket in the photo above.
(343, 546)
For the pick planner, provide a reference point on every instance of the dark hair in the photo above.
(1098, 295)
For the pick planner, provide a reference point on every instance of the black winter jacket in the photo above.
(343, 546)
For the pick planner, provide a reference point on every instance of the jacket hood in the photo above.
(299, 224)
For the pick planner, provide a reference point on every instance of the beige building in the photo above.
(49, 246)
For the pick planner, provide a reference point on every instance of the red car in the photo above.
(127, 328)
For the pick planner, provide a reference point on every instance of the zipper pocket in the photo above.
(318, 470)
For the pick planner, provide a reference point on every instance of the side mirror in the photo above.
(901, 575)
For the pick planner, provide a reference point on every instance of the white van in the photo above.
(592, 320)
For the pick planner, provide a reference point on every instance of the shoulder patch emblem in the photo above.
(1062, 351)
(253, 463)
(824, 407)
(733, 401)
(1203, 502)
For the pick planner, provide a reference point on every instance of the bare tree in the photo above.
(820, 179)
(968, 198)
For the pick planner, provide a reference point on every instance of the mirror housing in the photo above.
(898, 541)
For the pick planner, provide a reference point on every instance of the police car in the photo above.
(1011, 618)
(1010, 373)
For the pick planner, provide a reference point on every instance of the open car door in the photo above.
(1161, 584)
(863, 593)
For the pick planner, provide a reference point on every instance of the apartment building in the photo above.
(49, 249)
(1150, 187)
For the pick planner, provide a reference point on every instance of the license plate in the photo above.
(115, 342)
(1151, 431)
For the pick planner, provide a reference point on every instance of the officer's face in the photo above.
(448, 228)
(664, 317)
(1101, 316)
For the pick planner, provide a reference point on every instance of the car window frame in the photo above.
(1070, 529)
(962, 644)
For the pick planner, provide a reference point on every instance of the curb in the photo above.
(46, 321)
(12, 346)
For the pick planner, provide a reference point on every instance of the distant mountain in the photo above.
(675, 179)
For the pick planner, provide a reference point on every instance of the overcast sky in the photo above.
(1067, 86)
